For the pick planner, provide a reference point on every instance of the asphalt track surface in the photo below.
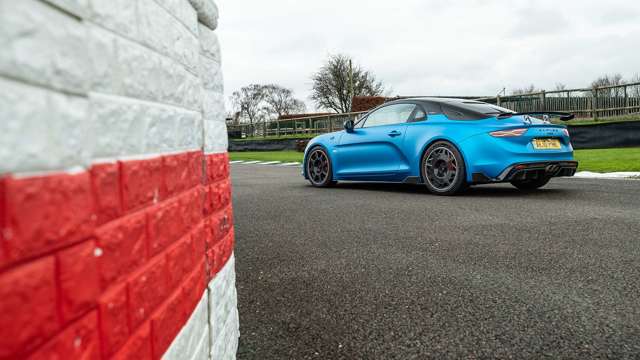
(383, 271)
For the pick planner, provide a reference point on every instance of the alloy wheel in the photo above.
(441, 168)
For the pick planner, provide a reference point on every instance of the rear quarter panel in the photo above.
(420, 135)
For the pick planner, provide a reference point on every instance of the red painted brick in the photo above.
(141, 182)
(3, 221)
(196, 165)
(113, 319)
(215, 197)
(138, 347)
(44, 213)
(78, 341)
(215, 167)
(226, 192)
(226, 248)
(177, 173)
(105, 184)
(221, 222)
(166, 225)
(166, 322)
(191, 207)
(147, 289)
(179, 261)
(210, 265)
(28, 315)
(123, 245)
(208, 203)
(193, 287)
(78, 280)
(199, 237)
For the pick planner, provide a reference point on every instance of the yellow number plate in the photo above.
(546, 144)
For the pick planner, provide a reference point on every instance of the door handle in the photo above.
(394, 133)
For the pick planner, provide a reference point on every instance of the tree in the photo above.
(523, 91)
(248, 102)
(634, 91)
(609, 80)
(333, 87)
(258, 103)
(280, 101)
(560, 86)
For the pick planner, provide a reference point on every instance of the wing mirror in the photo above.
(348, 126)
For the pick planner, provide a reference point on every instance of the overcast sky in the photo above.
(431, 47)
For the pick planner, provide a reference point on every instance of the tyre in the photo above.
(531, 184)
(443, 170)
(318, 168)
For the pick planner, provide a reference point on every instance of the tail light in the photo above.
(508, 133)
(565, 132)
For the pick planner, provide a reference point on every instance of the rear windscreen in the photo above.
(472, 110)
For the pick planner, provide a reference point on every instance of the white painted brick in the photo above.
(223, 318)
(42, 45)
(103, 61)
(116, 15)
(163, 32)
(189, 130)
(202, 350)
(127, 127)
(211, 75)
(120, 125)
(151, 76)
(77, 7)
(209, 43)
(182, 10)
(192, 334)
(48, 132)
(162, 125)
(207, 12)
(215, 137)
(213, 108)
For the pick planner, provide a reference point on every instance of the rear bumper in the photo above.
(529, 171)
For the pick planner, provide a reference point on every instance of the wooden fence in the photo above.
(597, 102)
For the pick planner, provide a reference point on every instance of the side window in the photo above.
(392, 114)
(419, 115)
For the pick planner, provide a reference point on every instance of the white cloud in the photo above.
(436, 47)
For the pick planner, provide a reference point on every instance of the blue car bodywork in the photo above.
(393, 152)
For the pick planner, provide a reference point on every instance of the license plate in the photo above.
(546, 144)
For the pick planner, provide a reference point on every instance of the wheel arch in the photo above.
(432, 141)
(308, 151)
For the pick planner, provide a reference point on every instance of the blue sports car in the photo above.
(445, 144)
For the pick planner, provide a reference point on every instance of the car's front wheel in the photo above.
(318, 168)
(531, 184)
(443, 169)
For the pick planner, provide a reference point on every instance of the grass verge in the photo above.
(284, 156)
(596, 160)
(608, 160)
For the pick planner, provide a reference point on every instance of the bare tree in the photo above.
(338, 81)
(560, 86)
(634, 91)
(248, 102)
(280, 101)
(526, 90)
(609, 80)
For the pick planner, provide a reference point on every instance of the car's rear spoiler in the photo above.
(562, 115)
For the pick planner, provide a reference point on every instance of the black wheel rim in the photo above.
(441, 168)
(318, 167)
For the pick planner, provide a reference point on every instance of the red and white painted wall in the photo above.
(116, 223)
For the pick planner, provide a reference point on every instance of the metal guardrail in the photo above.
(596, 102)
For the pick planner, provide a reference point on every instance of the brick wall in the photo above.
(116, 220)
